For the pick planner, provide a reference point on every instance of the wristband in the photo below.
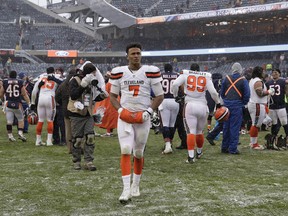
(150, 110)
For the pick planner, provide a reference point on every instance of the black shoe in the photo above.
(225, 151)
(199, 155)
(190, 160)
(235, 153)
(181, 147)
(210, 140)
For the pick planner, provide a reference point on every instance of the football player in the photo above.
(277, 107)
(196, 83)
(46, 108)
(134, 82)
(13, 89)
(257, 105)
(169, 108)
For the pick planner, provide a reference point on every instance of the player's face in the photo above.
(275, 74)
(134, 56)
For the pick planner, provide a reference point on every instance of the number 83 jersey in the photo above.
(195, 85)
(135, 86)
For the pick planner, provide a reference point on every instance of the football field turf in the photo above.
(41, 180)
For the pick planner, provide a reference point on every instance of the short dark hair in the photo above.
(88, 68)
(168, 68)
(50, 70)
(133, 45)
(13, 74)
(276, 69)
(257, 72)
(194, 67)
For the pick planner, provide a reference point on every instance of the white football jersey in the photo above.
(254, 98)
(135, 86)
(196, 83)
(48, 88)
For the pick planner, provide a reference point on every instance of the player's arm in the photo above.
(114, 96)
(258, 87)
(214, 94)
(177, 84)
(35, 91)
(2, 92)
(25, 95)
(159, 95)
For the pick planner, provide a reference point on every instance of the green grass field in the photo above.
(41, 180)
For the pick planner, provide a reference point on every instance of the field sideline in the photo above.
(41, 180)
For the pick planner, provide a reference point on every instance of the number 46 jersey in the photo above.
(196, 83)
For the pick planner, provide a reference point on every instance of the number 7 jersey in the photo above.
(196, 83)
(135, 86)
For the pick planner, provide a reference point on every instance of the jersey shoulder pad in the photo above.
(117, 73)
(152, 71)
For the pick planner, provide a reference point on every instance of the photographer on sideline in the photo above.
(84, 88)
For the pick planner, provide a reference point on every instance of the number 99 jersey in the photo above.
(195, 85)
(12, 89)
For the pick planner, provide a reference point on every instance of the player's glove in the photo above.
(271, 91)
(179, 99)
(147, 114)
(33, 107)
(53, 78)
(41, 84)
(218, 106)
(130, 117)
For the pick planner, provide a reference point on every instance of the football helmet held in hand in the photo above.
(32, 118)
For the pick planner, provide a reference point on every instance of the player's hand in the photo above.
(179, 99)
(33, 107)
(41, 84)
(130, 117)
(147, 114)
(218, 106)
(271, 91)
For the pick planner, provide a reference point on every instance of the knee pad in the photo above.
(138, 153)
(126, 150)
(90, 139)
(77, 142)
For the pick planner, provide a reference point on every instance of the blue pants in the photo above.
(215, 131)
(231, 129)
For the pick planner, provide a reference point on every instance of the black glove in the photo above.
(179, 99)
(33, 107)
(94, 82)
(218, 106)
(41, 84)
(53, 78)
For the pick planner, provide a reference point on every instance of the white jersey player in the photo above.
(134, 83)
(257, 105)
(195, 83)
(44, 89)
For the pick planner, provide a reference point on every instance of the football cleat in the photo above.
(135, 191)
(77, 166)
(12, 139)
(167, 149)
(210, 140)
(257, 146)
(39, 143)
(199, 155)
(125, 196)
(23, 138)
(49, 143)
(190, 160)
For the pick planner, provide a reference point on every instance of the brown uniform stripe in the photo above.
(116, 76)
(153, 74)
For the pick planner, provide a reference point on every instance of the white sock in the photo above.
(126, 182)
(191, 153)
(136, 179)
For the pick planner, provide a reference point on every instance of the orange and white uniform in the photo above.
(135, 88)
(46, 107)
(195, 84)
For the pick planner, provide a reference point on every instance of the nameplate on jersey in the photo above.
(198, 73)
